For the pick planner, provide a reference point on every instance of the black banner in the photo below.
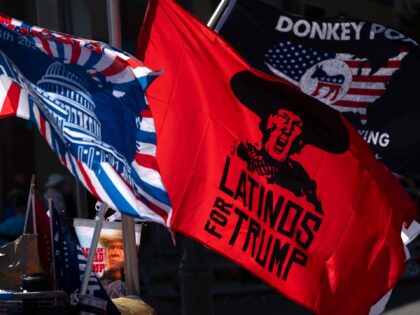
(365, 70)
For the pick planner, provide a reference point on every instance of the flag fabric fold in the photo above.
(87, 100)
(43, 229)
(267, 176)
(70, 265)
(69, 260)
(363, 69)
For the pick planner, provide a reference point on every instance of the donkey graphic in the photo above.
(331, 82)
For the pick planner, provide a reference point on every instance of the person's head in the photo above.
(17, 199)
(114, 253)
(281, 134)
(55, 180)
(289, 119)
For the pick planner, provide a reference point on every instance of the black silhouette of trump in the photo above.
(289, 121)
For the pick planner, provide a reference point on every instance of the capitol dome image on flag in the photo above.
(72, 108)
(75, 100)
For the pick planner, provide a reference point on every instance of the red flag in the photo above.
(267, 176)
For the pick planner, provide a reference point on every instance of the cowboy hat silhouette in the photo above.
(322, 126)
(107, 238)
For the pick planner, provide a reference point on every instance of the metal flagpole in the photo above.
(128, 227)
(33, 210)
(131, 269)
(28, 205)
(93, 245)
(114, 23)
(50, 209)
(222, 12)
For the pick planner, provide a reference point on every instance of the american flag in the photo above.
(87, 100)
(340, 80)
(70, 265)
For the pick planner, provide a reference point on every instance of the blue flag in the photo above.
(87, 100)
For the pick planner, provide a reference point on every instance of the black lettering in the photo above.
(278, 256)
(222, 185)
(254, 230)
(253, 184)
(297, 257)
(260, 202)
(211, 229)
(268, 207)
(241, 188)
(262, 261)
(310, 224)
(218, 217)
(269, 213)
(286, 217)
(241, 217)
(219, 203)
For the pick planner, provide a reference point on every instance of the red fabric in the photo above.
(10, 101)
(337, 258)
(43, 230)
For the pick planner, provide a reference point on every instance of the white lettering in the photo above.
(316, 29)
(393, 34)
(306, 28)
(384, 140)
(375, 137)
(284, 24)
(376, 29)
(357, 28)
(332, 31)
(345, 31)
(6, 35)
